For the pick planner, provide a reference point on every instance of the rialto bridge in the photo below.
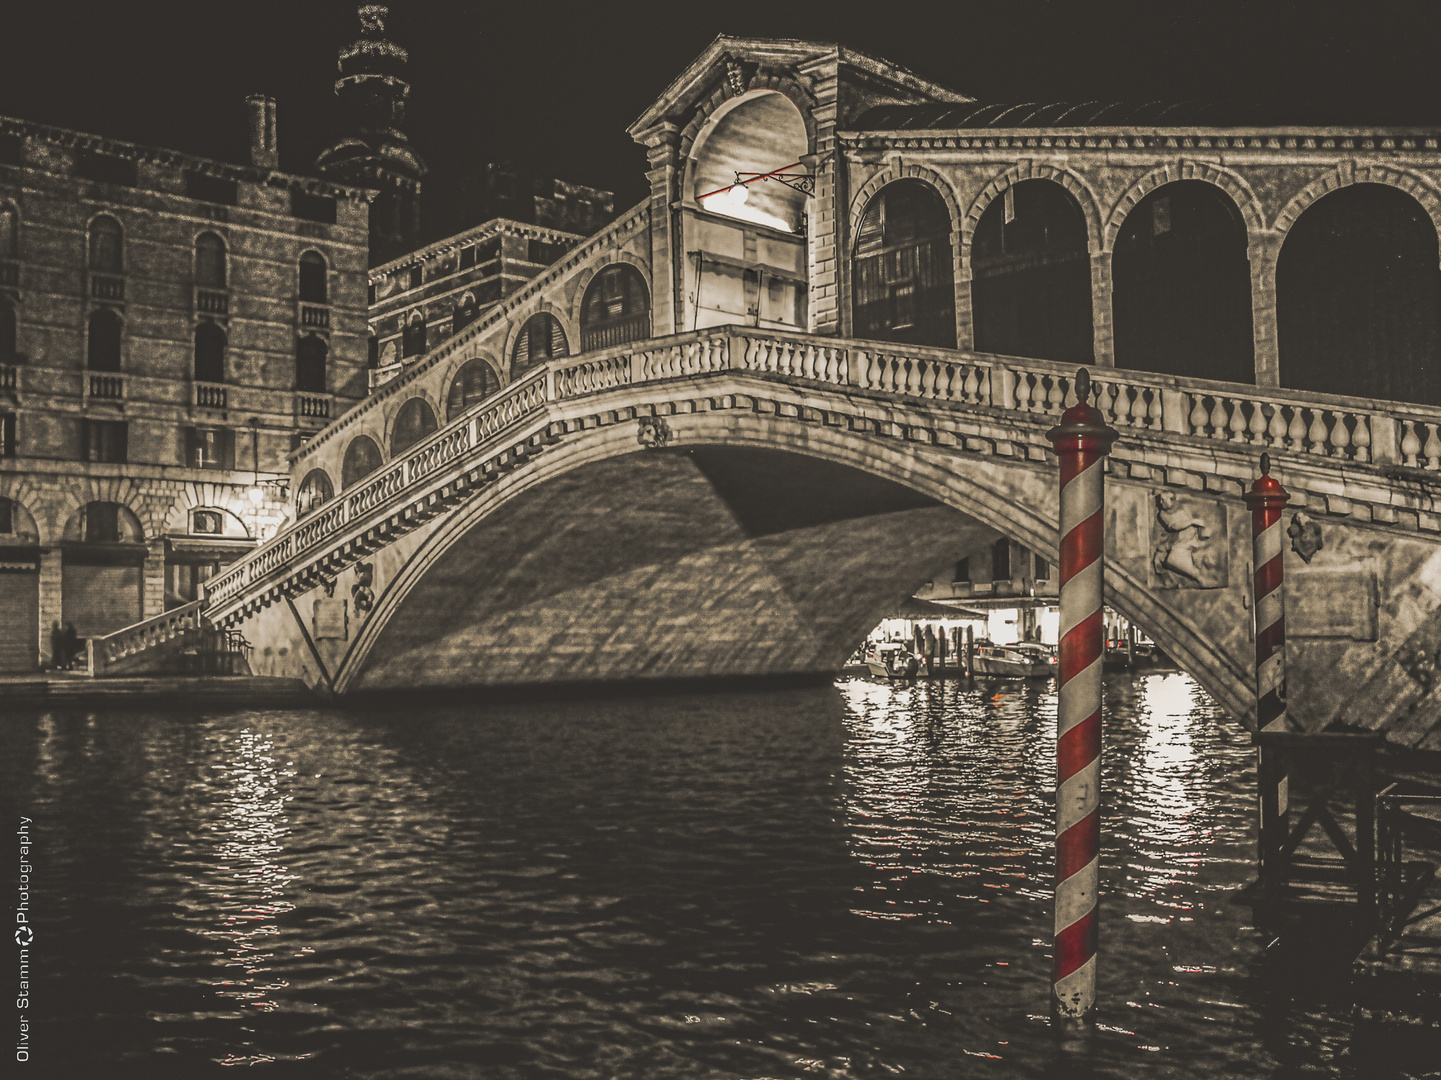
(725, 434)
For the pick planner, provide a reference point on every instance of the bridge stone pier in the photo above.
(747, 502)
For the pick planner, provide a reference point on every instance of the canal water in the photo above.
(848, 881)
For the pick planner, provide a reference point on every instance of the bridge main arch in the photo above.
(605, 561)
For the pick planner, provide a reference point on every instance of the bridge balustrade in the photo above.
(1034, 391)
(103, 653)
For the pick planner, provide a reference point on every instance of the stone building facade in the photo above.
(171, 328)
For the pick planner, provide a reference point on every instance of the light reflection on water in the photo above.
(841, 882)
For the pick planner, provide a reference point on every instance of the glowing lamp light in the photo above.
(738, 194)
(256, 496)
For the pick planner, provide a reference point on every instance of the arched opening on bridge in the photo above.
(1358, 298)
(1182, 286)
(1031, 275)
(744, 215)
(314, 491)
(903, 278)
(103, 553)
(474, 382)
(362, 457)
(414, 421)
(541, 338)
(616, 308)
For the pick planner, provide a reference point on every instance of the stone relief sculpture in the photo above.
(1189, 543)
(1305, 534)
(654, 432)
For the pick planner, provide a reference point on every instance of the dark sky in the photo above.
(554, 85)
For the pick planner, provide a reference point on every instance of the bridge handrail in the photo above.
(106, 649)
(1325, 426)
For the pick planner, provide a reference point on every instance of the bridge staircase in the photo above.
(181, 641)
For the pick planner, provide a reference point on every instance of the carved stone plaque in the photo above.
(1188, 543)
(1331, 604)
(331, 619)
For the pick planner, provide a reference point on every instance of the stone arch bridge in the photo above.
(741, 502)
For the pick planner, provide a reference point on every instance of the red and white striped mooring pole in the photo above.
(1266, 499)
(1081, 440)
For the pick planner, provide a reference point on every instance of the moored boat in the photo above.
(1021, 660)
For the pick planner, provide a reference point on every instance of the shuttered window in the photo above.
(541, 339)
(616, 309)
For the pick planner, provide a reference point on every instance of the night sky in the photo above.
(553, 86)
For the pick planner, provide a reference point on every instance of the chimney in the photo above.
(263, 151)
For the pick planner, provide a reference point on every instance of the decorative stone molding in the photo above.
(1228, 180)
(1420, 187)
(1069, 179)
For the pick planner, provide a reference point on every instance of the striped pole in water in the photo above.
(1082, 440)
(1266, 500)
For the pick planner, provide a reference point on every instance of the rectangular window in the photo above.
(7, 434)
(102, 523)
(415, 277)
(106, 168)
(1001, 560)
(962, 572)
(104, 440)
(1043, 569)
(210, 448)
(211, 189)
(467, 257)
(312, 207)
(487, 251)
(12, 150)
(543, 253)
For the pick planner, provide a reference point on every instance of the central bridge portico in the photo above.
(743, 502)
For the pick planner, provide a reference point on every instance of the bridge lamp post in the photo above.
(1082, 440)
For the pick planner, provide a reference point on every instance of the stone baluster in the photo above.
(928, 379)
(1197, 419)
(1257, 427)
(1316, 434)
(970, 387)
(1237, 424)
(1056, 397)
(1410, 443)
(1218, 418)
(1340, 437)
(1023, 392)
(1432, 449)
(1361, 437)
(1296, 430)
(912, 385)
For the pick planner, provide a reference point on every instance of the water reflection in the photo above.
(848, 882)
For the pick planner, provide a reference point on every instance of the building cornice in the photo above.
(80, 140)
(1062, 139)
(493, 227)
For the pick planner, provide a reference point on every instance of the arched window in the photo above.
(7, 331)
(616, 308)
(107, 246)
(1031, 275)
(413, 422)
(413, 337)
(313, 287)
(464, 314)
(1357, 295)
(9, 232)
(541, 339)
(372, 352)
(362, 457)
(209, 353)
(310, 354)
(903, 287)
(1182, 285)
(475, 381)
(102, 352)
(314, 491)
(209, 261)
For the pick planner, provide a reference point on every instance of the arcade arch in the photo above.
(362, 457)
(902, 280)
(616, 308)
(1358, 297)
(1031, 275)
(475, 381)
(1182, 285)
(103, 553)
(413, 422)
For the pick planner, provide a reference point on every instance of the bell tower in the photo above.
(373, 151)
